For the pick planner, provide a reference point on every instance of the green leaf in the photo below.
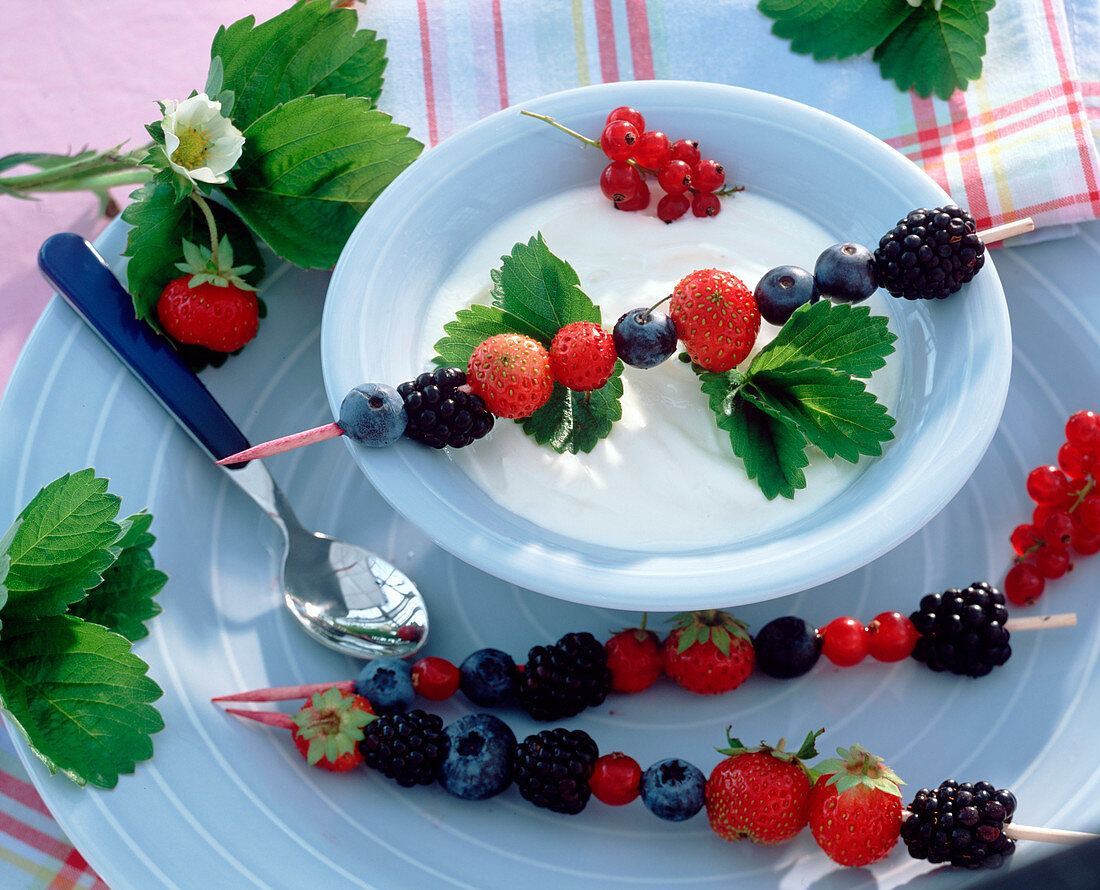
(78, 696)
(835, 29)
(470, 328)
(833, 411)
(840, 336)
(937, 52)
(541, 291)
(309, 49)
(123, 601)
(309, 170)
(772, 450)
(64, 540)
(154, 244)
(576, 421)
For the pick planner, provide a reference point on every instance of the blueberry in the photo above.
(488, 677)
(786, 647)
(644, 337)
(387, 684)
(373, 414)
(673, 789)
(782, 290)
(477, 759)
(845, 273)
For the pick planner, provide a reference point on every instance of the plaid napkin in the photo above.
(1019, 142)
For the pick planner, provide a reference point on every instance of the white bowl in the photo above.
(955, 354)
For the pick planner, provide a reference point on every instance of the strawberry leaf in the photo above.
(309, 170)
(721, 639)
(78, 696)
(807, 749)
(123, 600)
(937, 51)
(576, 421)
(310, 49)
(470, 328)
(834, 29)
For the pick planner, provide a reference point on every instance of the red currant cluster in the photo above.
(890, 637)
(1066, 515)
(689, 181)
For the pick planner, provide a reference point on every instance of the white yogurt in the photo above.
(666, 476)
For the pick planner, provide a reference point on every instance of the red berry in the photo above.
(628, 114)
(1052, 562)
(512, 375)
(1023, 584)
(891, 637)
(706, 204)
(1083, 431)
(1085, 542)
(1075, 463)
(1088, 513)
(652, 149)
(1025, 538)
(639, 202)
(582, 356)
(435, 678)
(844, 641)
(708, 652)
(634, 659)
(707, 175)
(620, 181)
(716, 317)
(1058, 528)
(328, 728)
(615, 779)
(1048, 485)
(686, 150)
(674, 177)
(222, 318)
(617, 140)
(672, 207)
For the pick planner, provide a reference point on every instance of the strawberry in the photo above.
(634, 658)
(512, 375)
(212, 305)
(716, 317)
(708, 652)
(582, 356)
(329, 727)
(760, 793)
(855, 807)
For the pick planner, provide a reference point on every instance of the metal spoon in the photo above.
(342, 595)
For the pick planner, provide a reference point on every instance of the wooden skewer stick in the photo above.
(1036, 833)
(1008, 230)
(1039, 622)
(286, 443)
(285, 693)
(268, 718)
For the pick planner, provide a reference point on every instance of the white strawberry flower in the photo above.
(200, 143)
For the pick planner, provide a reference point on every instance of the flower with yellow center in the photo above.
(200, 143)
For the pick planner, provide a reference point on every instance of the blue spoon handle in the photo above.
(88, 285)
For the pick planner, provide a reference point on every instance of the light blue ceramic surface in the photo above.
(955, 354)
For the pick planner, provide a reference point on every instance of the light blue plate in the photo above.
(228, 805)
(955, 354)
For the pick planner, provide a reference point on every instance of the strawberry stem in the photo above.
(211, 226)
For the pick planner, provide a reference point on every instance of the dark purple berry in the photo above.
(644, 337)
(786, 647)
(845, 273)
(782, 290)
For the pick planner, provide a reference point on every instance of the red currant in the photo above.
(620, 181)
(640, 201)
(1085, 542)
(1075, 463)
(1083, 431)
(1025, 538)
(1048, 485)
(891, 637)
(844, 641)
(1088, 513)
(674, 177)
(1052, 562)
(706, 204)
(617, 140)
(708, 175)
(652, 149)
(615, 779)
(686, 150)
(628, 114)
(1058, 528)
(672, 207)
(435, 678)
(1023, 584)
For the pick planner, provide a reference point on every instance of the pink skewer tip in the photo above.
(286, 693)
(268, 718)
(286, 443)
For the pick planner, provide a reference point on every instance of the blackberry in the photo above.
(552, 769)
(963, 631)
(930, 254)
(961, 824)
(564, 679)
(407, 748)
(439, 413)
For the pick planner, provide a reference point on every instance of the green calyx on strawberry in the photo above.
(329, 727)
(855, 807)
(708, 652)
(212, 305)
(761, 793)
